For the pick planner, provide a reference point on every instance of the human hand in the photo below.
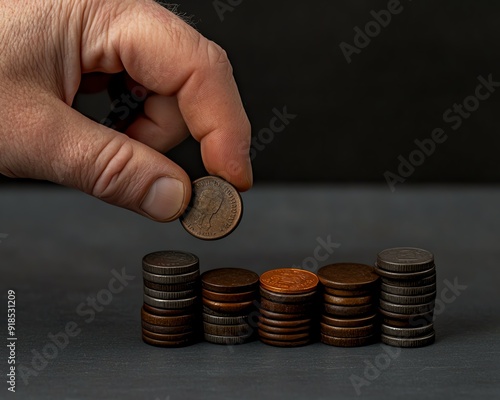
(46, 46)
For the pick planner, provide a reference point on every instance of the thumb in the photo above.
(110, 165)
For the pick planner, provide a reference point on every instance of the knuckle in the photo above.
(114, 171)
(218, 59)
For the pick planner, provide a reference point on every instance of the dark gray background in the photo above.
(354, 120)
(62, 246)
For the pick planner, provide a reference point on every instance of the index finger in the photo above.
(169, 57)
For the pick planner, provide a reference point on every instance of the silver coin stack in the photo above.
(170, 314)
(407, 296)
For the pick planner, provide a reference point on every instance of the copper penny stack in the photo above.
(287, 307)
(407, 296)
(170, 313)
(229, 297)
(349, 297)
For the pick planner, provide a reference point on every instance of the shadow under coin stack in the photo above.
(170, 313)
(229, 296)
(287, 307)
(349, 312)
(407, 296)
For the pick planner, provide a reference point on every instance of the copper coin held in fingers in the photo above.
(215, 209)
(348, 276)
(289, 281)
(230, 280)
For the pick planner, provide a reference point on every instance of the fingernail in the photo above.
(164, 200)
(250, 174)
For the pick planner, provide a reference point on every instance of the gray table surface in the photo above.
(58, 247)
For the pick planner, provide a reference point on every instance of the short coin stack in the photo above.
(349, 317)
(407, 296)
(170, 311)
(287, 308)
(229, 296)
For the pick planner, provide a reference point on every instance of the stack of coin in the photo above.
(407, 296)
(349, 298)
(287, 307)
(170, 311)
(229, 296)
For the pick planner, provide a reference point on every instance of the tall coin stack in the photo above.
(170, 311)
(407, 296)
(287, 307)
(229, 296)
(349, 299)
